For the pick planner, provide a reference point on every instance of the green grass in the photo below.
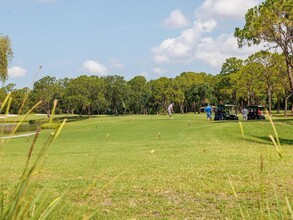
(144, 167)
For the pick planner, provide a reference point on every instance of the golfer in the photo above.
(244, 113)
(170, 110)
(208, 111)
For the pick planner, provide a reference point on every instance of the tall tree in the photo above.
(138, 86)
(9, 88)
(160, 93)
(177, 94)
(269, 72)
(271, 21)
(199, 95)
(78, 94)
(227, 89)
(187, 82)
(247, 82)
(6, 55)
(281, 87)
(117, 93)
(3, 95)
(46, 89)
(18, 96)
(97, 95)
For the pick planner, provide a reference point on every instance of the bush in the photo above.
(50, 125)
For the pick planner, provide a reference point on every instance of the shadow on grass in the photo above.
(71, 118)
(59, 119)
(288, 121)
(267, 140)
(283, 141)
(257, 140)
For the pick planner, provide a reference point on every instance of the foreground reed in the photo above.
(26, 203)
(263, 200)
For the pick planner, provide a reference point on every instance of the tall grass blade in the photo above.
(53, 111)
(59, 130)
(261, 164)
(241, 128)
(2, 132)
(24, 184)
(8, 106)
(5, 101)
(39, 204)
(236, 196)
(31, 149)
(276, 146)
(23, 209)
(278, 205)
(32, 208)
(269, 211)
(14, 207)
(23, 101)
(274, 128)
(23, 204)
(1, 205)
(289, 207)
(24, 180)
(50, 140)
(50, 208)
(25, 116)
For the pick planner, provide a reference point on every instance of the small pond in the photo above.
(7, 128)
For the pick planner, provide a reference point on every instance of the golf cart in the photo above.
(226, 112)
(255, 112)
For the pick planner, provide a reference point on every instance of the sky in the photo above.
(152, 38)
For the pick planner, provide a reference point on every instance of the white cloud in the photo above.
(182, 47)
(176, 20)
(216, 51)
(94, 67)
(211, 50)
(225, 8)
(16, 72)
(144, 73)
(114, 63)
(202, 42)
(159, 70)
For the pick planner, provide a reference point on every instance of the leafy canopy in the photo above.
(6, 55)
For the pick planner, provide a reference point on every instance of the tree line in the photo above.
(259, 80)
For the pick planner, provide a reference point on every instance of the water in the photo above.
(8, 128)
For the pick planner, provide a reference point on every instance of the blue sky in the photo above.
(152, 38)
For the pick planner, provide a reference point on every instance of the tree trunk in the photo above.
(89, 111)
(269, 100)
(286, 104)
(248, 97)
(181, 108)
(286, 107)
(235, 101)
(48, 113)
(278, 105)
(289, 71)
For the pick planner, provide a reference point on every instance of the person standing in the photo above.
(170, 110)
(208, 111)
(244, 113)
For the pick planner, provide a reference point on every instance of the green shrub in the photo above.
(50, 125)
